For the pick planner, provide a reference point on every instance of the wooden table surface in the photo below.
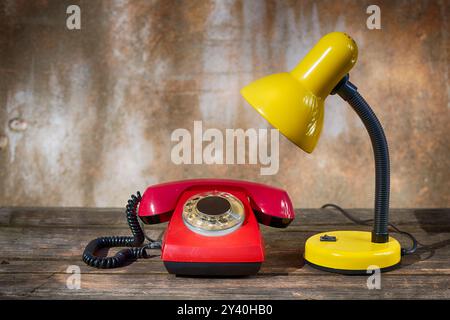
(37, 245)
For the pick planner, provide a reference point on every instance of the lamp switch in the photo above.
(328, 238)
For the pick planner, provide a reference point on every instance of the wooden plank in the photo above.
(38, 244)
(115, 217)
(283, 248)
(115, 286)
(289, 262)
(48, 242)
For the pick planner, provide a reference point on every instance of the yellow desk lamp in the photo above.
(293, 102)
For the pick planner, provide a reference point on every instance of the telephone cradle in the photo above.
(213, 226)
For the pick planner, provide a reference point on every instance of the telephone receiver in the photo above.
(213, 226)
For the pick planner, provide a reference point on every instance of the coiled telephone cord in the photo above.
(122, 257)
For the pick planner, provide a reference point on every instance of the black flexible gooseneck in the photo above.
(349, 92)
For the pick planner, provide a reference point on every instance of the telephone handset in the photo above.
(213, 226)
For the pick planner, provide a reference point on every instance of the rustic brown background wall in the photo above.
(100, 103)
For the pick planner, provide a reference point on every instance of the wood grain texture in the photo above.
(38, 244)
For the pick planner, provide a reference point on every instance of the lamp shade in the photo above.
(293, 102)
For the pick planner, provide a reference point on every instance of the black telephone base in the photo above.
(212, 268)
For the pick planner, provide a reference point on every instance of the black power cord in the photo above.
(135, 252)
(354, 219)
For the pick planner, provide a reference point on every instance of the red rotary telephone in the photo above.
(213, 227)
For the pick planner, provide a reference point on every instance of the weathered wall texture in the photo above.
(101, 103)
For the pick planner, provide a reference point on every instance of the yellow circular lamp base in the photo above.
(351, 252)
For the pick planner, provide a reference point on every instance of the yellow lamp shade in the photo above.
(293, 102)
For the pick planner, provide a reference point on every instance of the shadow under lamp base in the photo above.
(351, 252)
